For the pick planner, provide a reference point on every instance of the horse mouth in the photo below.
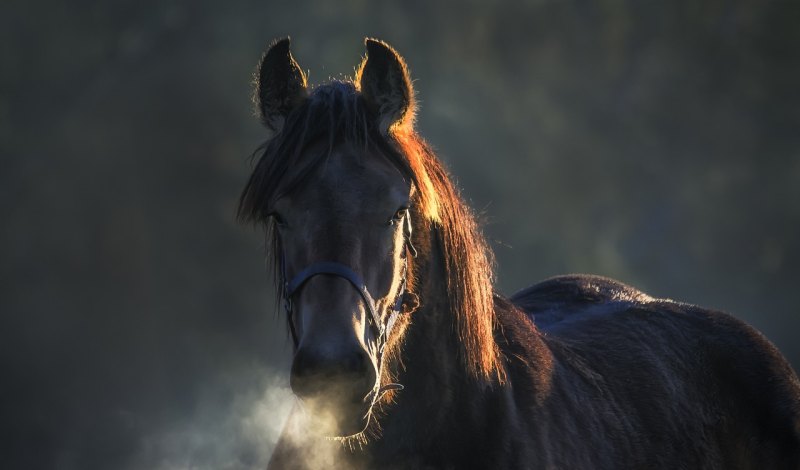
(335, 416)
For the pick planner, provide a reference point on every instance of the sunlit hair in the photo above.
(335, 113)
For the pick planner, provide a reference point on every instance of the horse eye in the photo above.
(279, 221)
(398, 216)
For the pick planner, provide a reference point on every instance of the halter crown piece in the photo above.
(333, 268)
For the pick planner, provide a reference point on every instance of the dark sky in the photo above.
(656, 144)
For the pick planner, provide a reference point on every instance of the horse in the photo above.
(405, 357)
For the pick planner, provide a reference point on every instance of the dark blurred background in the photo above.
(653, 142)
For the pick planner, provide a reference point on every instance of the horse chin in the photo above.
(336, 419)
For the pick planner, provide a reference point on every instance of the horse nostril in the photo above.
(357, 363)
(315, 372)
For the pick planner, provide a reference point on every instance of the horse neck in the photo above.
(431, 342)
(440, 395)
(436, 381)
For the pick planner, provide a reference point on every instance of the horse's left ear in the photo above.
(386, 86)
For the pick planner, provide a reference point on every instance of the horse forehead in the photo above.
(348, 178)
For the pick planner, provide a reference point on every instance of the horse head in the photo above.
(338, 205)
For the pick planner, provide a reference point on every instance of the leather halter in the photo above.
(332, 268)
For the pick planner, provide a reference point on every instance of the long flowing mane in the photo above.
(335, 113)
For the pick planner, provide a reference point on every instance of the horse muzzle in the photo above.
(332, 388)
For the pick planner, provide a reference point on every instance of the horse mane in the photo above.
(336, 113)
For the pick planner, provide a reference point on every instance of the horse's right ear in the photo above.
(280, 85)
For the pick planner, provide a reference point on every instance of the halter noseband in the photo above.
(333, 268)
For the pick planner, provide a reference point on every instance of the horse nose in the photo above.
(315, 371)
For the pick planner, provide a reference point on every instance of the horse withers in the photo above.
(404, 355)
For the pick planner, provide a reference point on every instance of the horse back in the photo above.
(691, 383)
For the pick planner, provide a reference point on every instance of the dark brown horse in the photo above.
(405, 357)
